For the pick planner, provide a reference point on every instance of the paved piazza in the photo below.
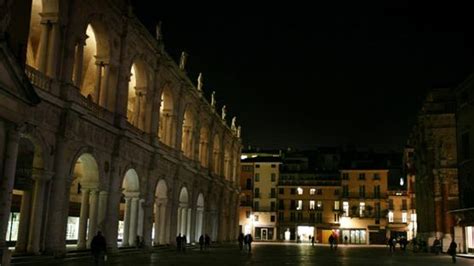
(280, 254)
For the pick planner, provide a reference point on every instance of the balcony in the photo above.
(38, 79)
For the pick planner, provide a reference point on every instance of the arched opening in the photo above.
(187, 139)
(137, 88)
(34, 34)
(91, 68)
(161, 209)
(204, 147)
(216, 153)
(26, 216)
(43, 37)
(199, 217)
(165, 131)
(212, 221)
(184, 215)
(83, 202)
(131, 210)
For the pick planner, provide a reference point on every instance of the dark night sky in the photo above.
(324, 75)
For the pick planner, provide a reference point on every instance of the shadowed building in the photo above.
(433, 141)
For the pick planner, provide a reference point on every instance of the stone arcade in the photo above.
(101, 130)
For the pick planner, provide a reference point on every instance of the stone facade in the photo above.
(433, 141)
(98, 122)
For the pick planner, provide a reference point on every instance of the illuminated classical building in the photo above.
(101, 130)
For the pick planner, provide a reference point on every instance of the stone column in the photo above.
(178, 221)
(7, 181)
(156, 224)
(78, 63)
(98, 82)
(22, 239)
(188, 224)
(53, 49)
(102, 207)
(133, 221)
(93, 215)
(42, 54)
(84, 215)
(40, 179)
(58, 209)
(141, 215)
(126, 222)
(104, 87)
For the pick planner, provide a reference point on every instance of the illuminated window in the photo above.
(336, 205)
(311, 204)
(320, 204)
(361, 209)
(345, 208)
(299, 207)
(312, 191)
(404, 217)
(390, 217)
(413, 217)
(300, 191)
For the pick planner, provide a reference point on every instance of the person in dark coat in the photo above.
(178, 242)
(331, 241)
(98, 248)
(201, 242)
(248, 240)
(241, 240)
(184, 242)
(452, 250)
(207, 241)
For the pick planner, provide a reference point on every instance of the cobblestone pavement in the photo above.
(279, 254)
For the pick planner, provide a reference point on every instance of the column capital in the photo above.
(41, 174)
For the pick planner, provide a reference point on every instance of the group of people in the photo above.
(204, 242)
(181, 242)
(392, 242)
(245, 240)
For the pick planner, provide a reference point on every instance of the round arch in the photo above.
(187, 137)
(184, 214)
(199, 217)
(137, 88)
(166, 129)
(131, 209)
(204, 146)
(160, 213)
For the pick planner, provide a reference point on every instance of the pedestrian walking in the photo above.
(437, 246)
(207, 241)
(178, 242)
(452, 250)
(331, 241)
(184, 242)
(391, 244)
(346, 239)
(241, 240)
(99, 248)
(201, 242)
(249, 240)
(312, 241)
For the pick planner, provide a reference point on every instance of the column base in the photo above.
(5, 256)
(446, 240)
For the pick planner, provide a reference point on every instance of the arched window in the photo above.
(136, 101)
(204, 146)
(187, 139)
(165, 131)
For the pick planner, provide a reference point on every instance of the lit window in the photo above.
(345, 208)
(402, 182)
(312, 191)
(300, 191)
(404, 217)
(361, 209)
(336, 205)
(299, 207)
(311, 204)
(413, 217)
(320, 204)
(390, 216)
